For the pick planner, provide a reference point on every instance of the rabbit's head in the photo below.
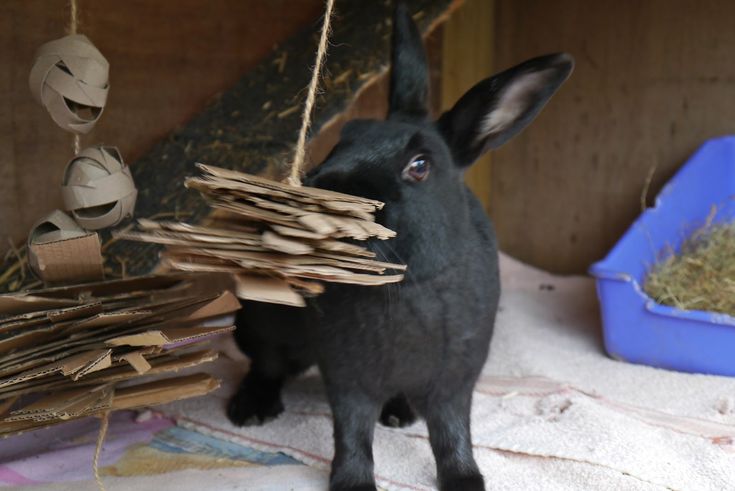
(416, 165)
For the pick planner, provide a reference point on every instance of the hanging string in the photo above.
(104, 417)
(300, 153)
(73, 27)
(104, 423)
(77, 144)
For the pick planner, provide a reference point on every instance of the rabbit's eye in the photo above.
(416, 170)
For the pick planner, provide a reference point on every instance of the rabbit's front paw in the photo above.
(359, 487)
(250, 407)
(473, 482)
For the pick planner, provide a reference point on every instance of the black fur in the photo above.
(418, 345)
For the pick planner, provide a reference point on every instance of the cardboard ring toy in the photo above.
(98, 188)
(70, 79)
(60, 250)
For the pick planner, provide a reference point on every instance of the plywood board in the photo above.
(467, 58)
(653, 80)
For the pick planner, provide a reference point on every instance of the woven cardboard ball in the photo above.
(70, 79)
(98, 188)
(59, 250)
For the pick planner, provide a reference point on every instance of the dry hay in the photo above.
(701, 276)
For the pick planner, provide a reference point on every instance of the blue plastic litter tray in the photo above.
(636, 328)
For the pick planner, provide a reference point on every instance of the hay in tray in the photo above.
(74, 351)
(280, 241)
(701, 276)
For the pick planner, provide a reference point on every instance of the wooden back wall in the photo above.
(654, 79)
(167, 59)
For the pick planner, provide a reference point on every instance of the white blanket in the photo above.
(551, 411)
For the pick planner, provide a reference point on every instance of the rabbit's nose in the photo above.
(344, 182)
(332, 180)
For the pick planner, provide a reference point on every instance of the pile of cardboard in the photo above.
(278, 240)
(75, 351)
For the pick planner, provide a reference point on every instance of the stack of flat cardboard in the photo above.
(278, 240)
(75, 351)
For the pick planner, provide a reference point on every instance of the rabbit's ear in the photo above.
(409, 78)
(498, 108)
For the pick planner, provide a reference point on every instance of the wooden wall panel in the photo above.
(168, 58)
(467, 58)
(654, 79)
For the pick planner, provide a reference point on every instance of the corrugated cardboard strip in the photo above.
(64, 350)
(60, 250)
(98, 188)
(70, 79)
(279, 240)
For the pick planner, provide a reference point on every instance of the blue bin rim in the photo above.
(601, 271)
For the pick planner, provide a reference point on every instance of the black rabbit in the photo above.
(418, 345)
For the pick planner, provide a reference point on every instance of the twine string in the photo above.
(104, 417)
(300, 152)
(104, 423)
(74, 21)
(73, 27)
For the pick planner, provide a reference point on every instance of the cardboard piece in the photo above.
(98, 188)
(73, 366)
(66, 404)
(125, 288)
(102, 399)
(63, 350)
(137, 361)
(272, 240)
(160, 363)
(264, 289)
(314, 194)
(58, 343)
(6, 404)
(105, 319)
(164, 391)
(24, 303)
(70, 314)
(167, 336)
(225, 303)
(77, 359)
(100, 362)
(61, 251)
(70, 79)
(277, 239)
